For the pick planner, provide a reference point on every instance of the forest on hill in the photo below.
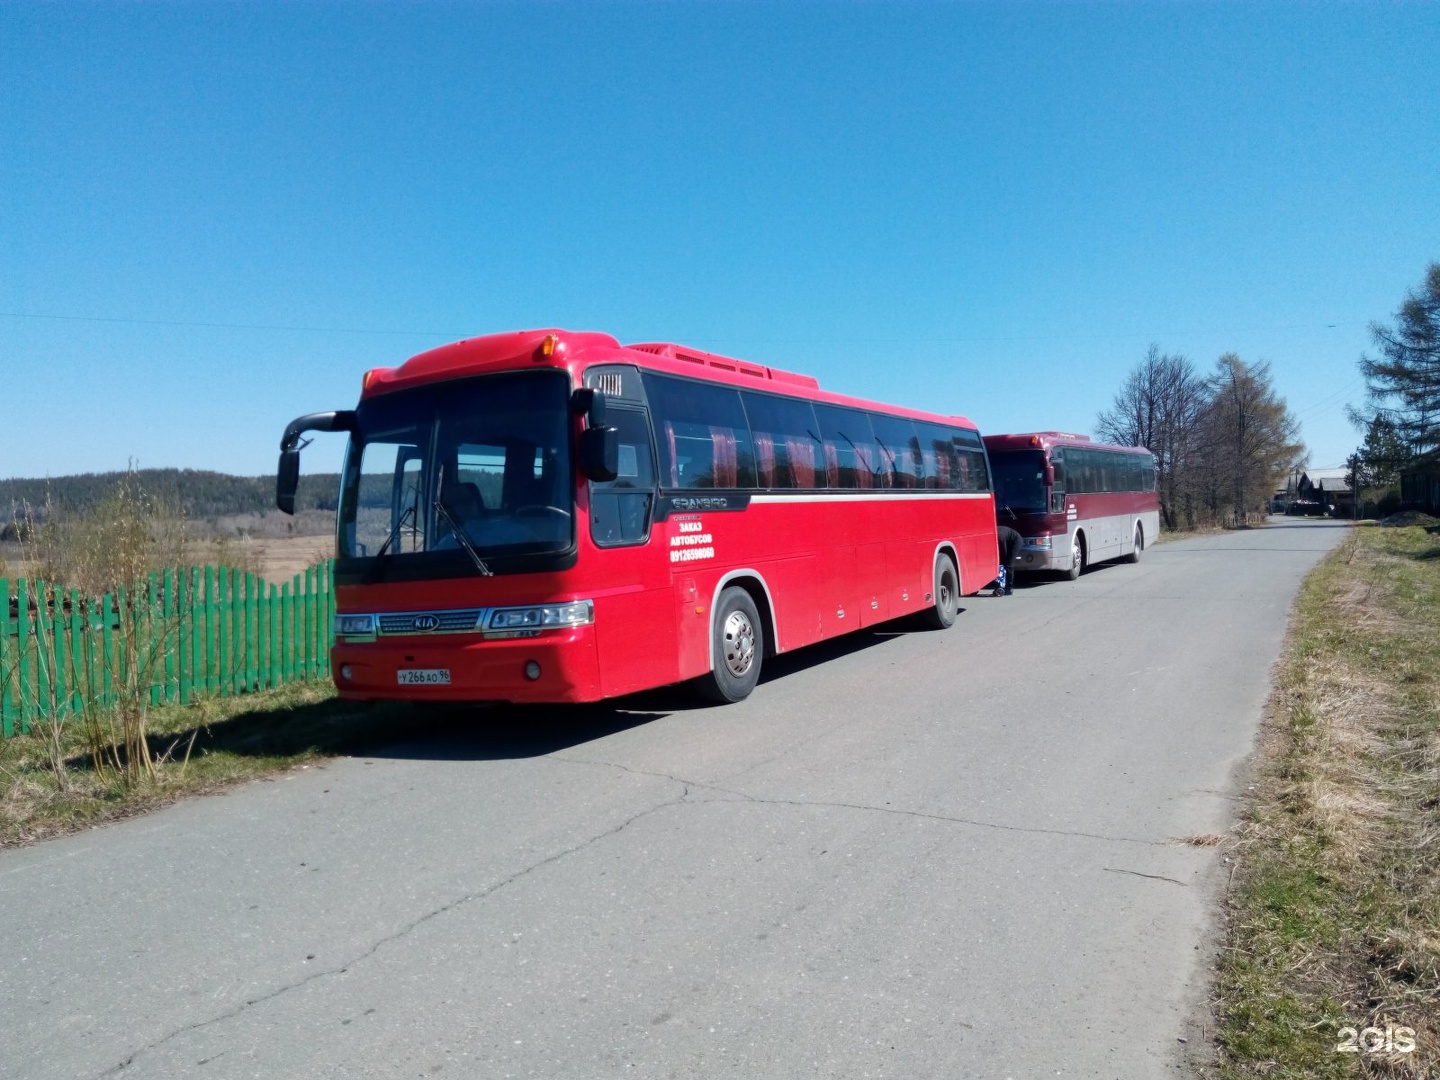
(193, 493)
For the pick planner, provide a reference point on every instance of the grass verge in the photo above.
(1331, 966)
(200, 748)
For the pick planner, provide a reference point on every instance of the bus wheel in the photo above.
(947, 595)
(1134, 555)
(1077, 558)
(738, 646)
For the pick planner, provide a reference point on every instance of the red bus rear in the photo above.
(1074, 502)
(548, 516)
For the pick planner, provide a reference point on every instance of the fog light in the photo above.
(532, 670)
(345, 672)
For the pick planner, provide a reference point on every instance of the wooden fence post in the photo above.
(22, 638)
(7, 673)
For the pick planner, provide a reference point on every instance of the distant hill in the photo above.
(200, 494)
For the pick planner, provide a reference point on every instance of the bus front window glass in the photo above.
(1019, 477)
(382, 496)
(499, 470)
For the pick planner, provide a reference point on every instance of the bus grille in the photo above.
(431, 622)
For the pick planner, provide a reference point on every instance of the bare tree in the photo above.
(1158, 407)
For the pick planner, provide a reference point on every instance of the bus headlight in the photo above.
(1037, 541)
(354, 625)
(543, 616)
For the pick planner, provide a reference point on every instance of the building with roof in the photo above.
(1330, 488)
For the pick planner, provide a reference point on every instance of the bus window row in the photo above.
(711, 436)
(1083, 471)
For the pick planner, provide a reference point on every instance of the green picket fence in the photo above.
(203, 632)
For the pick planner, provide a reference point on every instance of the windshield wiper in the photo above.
(408, 514)
(460, 535)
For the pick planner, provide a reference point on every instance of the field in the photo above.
(248, 542)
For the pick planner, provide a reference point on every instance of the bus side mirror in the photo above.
(287, 473)
(600, 453)
(589, 404)
(287, 480)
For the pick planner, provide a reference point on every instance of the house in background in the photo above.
(1420, 484)
(1328, 489)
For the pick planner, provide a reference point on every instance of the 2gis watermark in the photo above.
(1390, 1039)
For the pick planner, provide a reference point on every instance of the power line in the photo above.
(229, 326)
(724, 341)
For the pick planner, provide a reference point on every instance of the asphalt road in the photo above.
(908, 854)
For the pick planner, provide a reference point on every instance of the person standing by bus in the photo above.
(1008, 541)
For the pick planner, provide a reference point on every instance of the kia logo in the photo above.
(425, 622)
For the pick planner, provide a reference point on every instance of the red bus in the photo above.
(1074, 502)
(548, 516)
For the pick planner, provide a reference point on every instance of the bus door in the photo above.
(626, 569)
(1062, 507)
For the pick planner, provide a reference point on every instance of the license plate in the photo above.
(423, 676)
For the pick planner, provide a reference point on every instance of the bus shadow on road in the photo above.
(495, 732)
(453, 732)
(503, 732)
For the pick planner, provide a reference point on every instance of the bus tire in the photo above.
(947, 596)
(738, 647)
(1134, 555)
(1078, 558)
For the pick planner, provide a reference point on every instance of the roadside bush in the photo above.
(110, 549)
(115, 545)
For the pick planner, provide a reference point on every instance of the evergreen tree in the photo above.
(1404, 380)
(1379, 461)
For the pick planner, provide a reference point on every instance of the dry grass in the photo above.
(197, 749)
(1201, 840)
(1334, 916)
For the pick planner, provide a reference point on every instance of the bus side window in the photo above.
(899, 450)
(851, 454)
(1080, 472)
(620, 508)
(939, 456)
(979, 474)
(972, 472)
(787, 452)
(704, 438)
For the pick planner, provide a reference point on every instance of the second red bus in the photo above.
(1074, 502)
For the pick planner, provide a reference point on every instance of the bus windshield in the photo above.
(477, 468)
(1019, 480)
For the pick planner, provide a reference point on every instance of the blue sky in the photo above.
(215, 217)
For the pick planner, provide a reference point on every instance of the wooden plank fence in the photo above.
(190, 633)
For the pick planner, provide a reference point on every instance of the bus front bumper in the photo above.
(553, 666)
(1037, 556)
